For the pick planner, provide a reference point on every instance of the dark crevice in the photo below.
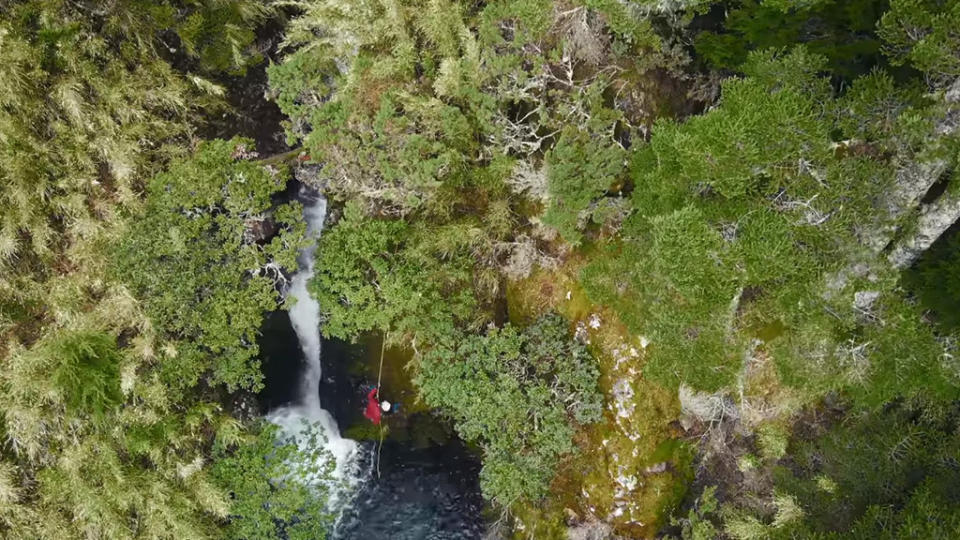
(938, 188)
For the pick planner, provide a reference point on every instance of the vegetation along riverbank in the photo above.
(649, 268)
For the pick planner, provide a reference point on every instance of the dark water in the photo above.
(428, 486)
(280, 359)
(425, 494)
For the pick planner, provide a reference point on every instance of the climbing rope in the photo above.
(383, 344)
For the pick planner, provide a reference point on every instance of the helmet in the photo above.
(385, 405)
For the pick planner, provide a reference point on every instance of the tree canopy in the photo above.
(678, 268)
(518, 394)
(207, 254)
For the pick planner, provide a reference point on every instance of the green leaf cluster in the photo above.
(95, 100)
(744, 217)
(519, 394)
(843, 31)
(279, 487)
(922, 33)
(385, 275)
(203, 276)
(936, 281)
(97, 97)
(580, 169)
(881, 474)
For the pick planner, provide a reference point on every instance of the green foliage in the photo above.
(300, 84)
(88, 372)
(95, 444)
(194, 259)
(380, 138)
(519, 395)
(396, 154)
(705, 237)
(878, 111)
(453, 131)
(79, 371)
(428, 101)
(378, 274)
(895, 458)
(840, 30)
(686, 287)
(929, 512)
(580, 169)
(751, 142)
(882, 473)
(744, 213)
(352, 259)
(219, 35)
(95, 99)
(697, 524)
(279, 488)
(876, 354)
(935, 279)
(91, 107)
(922, 33)
(772, 441)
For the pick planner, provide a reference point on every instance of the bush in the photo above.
(841, 30)
(278, 488)
(203, 275)
(580, 169)
(518, 394)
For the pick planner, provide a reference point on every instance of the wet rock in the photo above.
(596, 530)
(864, 300)
(657, 468)
(259, 229)
(309, 174)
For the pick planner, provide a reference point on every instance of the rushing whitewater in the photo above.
(305, 318)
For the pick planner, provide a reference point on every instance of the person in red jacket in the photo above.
(372, 412)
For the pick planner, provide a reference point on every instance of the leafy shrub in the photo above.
(772, 441)
(840, 30)
(278, 488)
(671, 279)
(202, 274)
(882, 462)
(580, 169)
(935, 279)
(80, 368)
(519, 395)
(923, 33)
(380, 274)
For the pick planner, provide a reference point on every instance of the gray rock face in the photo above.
(914, 179)
(934, 220)
(863, 300)
(953, 93)
(309, 174)
(596, 530)
(259, 230)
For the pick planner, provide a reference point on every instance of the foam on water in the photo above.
(306, 410)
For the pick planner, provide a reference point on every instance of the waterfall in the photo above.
(306, 410)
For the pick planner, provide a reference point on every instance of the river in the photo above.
(411, 488)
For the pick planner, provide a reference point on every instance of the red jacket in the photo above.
(372, 412)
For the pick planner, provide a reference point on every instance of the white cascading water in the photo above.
(306, 410)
